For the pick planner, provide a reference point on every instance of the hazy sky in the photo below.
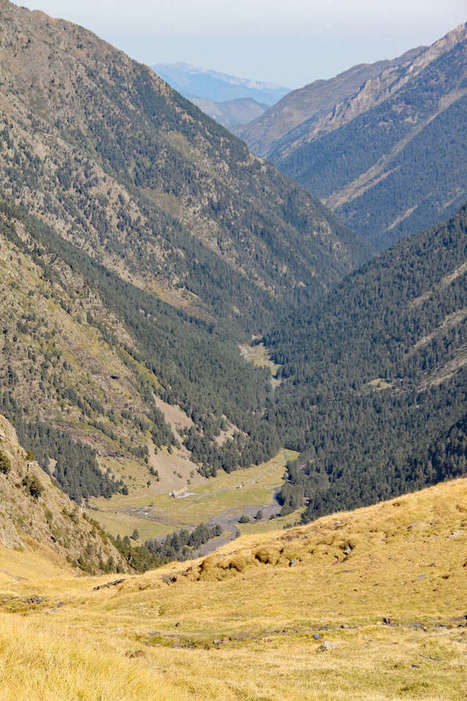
(290, 42)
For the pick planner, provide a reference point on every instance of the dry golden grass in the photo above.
(239, 624)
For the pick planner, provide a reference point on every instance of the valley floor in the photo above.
(220, 500)
(369, 604)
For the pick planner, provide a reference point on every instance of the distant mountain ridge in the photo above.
(230, 100)
(391, 158)
(296, 107)
(231, 113)
(191, 81)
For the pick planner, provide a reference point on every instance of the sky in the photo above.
(288, 42)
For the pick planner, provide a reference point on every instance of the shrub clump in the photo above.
(5, 464)
(33, 486)
(267, 556)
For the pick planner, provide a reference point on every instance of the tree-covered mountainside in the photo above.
(149, 186)
(373, 388)
(141, 243)
(88, 353)
(391, 159)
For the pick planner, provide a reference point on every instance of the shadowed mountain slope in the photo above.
(374, 378)
(390, 159)
(298, 106)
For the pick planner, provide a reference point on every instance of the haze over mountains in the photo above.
(387, 155)
(219, 87)
(231, 113)
(227, 99)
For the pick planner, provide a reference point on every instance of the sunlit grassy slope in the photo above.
(383, 587)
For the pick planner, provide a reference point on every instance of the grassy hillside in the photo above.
(390, 160)
(373, 380)
(359, 605)
(38, 521)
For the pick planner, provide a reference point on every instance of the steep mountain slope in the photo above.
(87, 352)
(139, 178)
(67, 361)
(374, 379)
(359, 605)
(36, 516)
(391, 159)
(155, 243)
(231, 112)
(317, 97)
(219, 87)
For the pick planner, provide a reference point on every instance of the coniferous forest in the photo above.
(374, 389)
(372, 380)
(159, 244)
